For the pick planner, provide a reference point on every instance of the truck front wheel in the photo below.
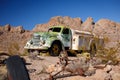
(55, 49)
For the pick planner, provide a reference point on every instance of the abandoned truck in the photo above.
(59, 38)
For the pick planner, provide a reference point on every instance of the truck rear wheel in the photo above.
(16, 68)
(55, 49)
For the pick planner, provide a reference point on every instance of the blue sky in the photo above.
(28, 13)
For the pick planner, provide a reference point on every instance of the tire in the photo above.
(16, 68)
(55, 49)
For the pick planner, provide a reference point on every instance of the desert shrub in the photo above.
(3, 73)
(71, 52)
(106, 39)
(109, 54)
(25, 53)
(13, 48)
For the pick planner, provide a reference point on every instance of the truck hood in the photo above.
(47, 34)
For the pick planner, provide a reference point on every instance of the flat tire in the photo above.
(16, 68)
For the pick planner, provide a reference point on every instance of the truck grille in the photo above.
(36, 41)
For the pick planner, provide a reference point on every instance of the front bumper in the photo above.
(37, 47)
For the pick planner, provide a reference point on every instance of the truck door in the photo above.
(66, 37)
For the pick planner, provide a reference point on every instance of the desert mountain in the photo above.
(17, 36)
(13, 39)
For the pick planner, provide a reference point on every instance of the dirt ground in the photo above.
(37, 70)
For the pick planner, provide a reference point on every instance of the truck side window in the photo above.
(65, 31)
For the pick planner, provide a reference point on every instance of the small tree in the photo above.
(107, 54)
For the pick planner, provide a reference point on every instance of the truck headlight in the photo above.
(27, 44)
(42, 42)
(31, 42)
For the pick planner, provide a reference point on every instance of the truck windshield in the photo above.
(55, 29)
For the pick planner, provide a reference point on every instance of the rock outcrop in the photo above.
(88, 25)
(74, 23)
(9, 28)
(67, 21)
(109, 30)
(18, 29)
(41, 27)
(13, 39)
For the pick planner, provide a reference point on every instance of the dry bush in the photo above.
(13, 48)
(3, 73)
(25, 53)
(109, 54)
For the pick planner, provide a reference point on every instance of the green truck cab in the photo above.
(51, 41)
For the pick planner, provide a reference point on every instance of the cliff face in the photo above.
(103, 27)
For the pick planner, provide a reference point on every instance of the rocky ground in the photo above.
(40, 68)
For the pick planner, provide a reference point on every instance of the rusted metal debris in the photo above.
(34, 56)
(74, 67)
(80, 66)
